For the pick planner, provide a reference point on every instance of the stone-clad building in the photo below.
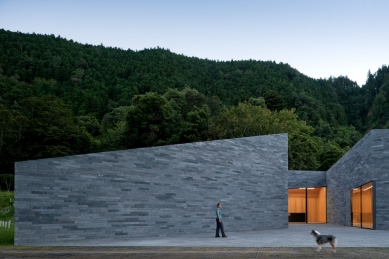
(359, 183)
(173, 190)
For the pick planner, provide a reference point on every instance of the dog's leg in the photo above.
(333, 247)
(318, 248)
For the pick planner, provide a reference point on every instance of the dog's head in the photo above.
(315, 232)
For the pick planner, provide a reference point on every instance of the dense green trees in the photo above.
(38, 127)
(151, 121)
(59, 97)
(248, 120)
(173, 118)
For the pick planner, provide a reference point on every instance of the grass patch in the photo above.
(6, 214)
(7, 235)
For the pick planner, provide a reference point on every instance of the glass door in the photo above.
(367, 205)
(356, 207)
(297, 205)
(362, 206)
(317, 209)
(307, 205)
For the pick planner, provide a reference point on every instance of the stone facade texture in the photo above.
(157, 191)
(304, 179)
(367, 161)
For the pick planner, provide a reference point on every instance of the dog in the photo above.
(323, 239)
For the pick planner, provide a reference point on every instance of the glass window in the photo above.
(362, 206)
(356, 207)
(367, 205)
(317, 210)
(297, 205)
(307, 205)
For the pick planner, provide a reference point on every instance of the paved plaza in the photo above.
(293, 242)
(296, 235)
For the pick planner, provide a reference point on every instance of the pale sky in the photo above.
(320, 38)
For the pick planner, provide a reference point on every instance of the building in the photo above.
(173, 190)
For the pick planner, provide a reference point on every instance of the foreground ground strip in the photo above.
(189, 252)
(292, 242)
(296, 235)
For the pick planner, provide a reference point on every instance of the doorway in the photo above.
(362, 199)
(307, 205)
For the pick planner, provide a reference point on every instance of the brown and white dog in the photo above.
(324, 239)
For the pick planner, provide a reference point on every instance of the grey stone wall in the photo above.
(368, 160)
(157, 191)
(382, 203)
(297, 179)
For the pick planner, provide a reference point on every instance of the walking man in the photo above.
(219, 222)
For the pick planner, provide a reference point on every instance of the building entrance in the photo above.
(307, 205)
(362, 206)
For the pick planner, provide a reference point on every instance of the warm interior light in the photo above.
(368, 188)
(307, 206)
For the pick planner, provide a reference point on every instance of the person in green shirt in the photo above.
(219, 222)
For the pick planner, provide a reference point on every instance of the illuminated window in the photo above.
(362, 206)
(307, 205)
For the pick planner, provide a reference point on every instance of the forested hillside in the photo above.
(59, 97)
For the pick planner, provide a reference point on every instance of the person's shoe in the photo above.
(224, 236)
(217, 236)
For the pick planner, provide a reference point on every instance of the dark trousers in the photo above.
(219, 226)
